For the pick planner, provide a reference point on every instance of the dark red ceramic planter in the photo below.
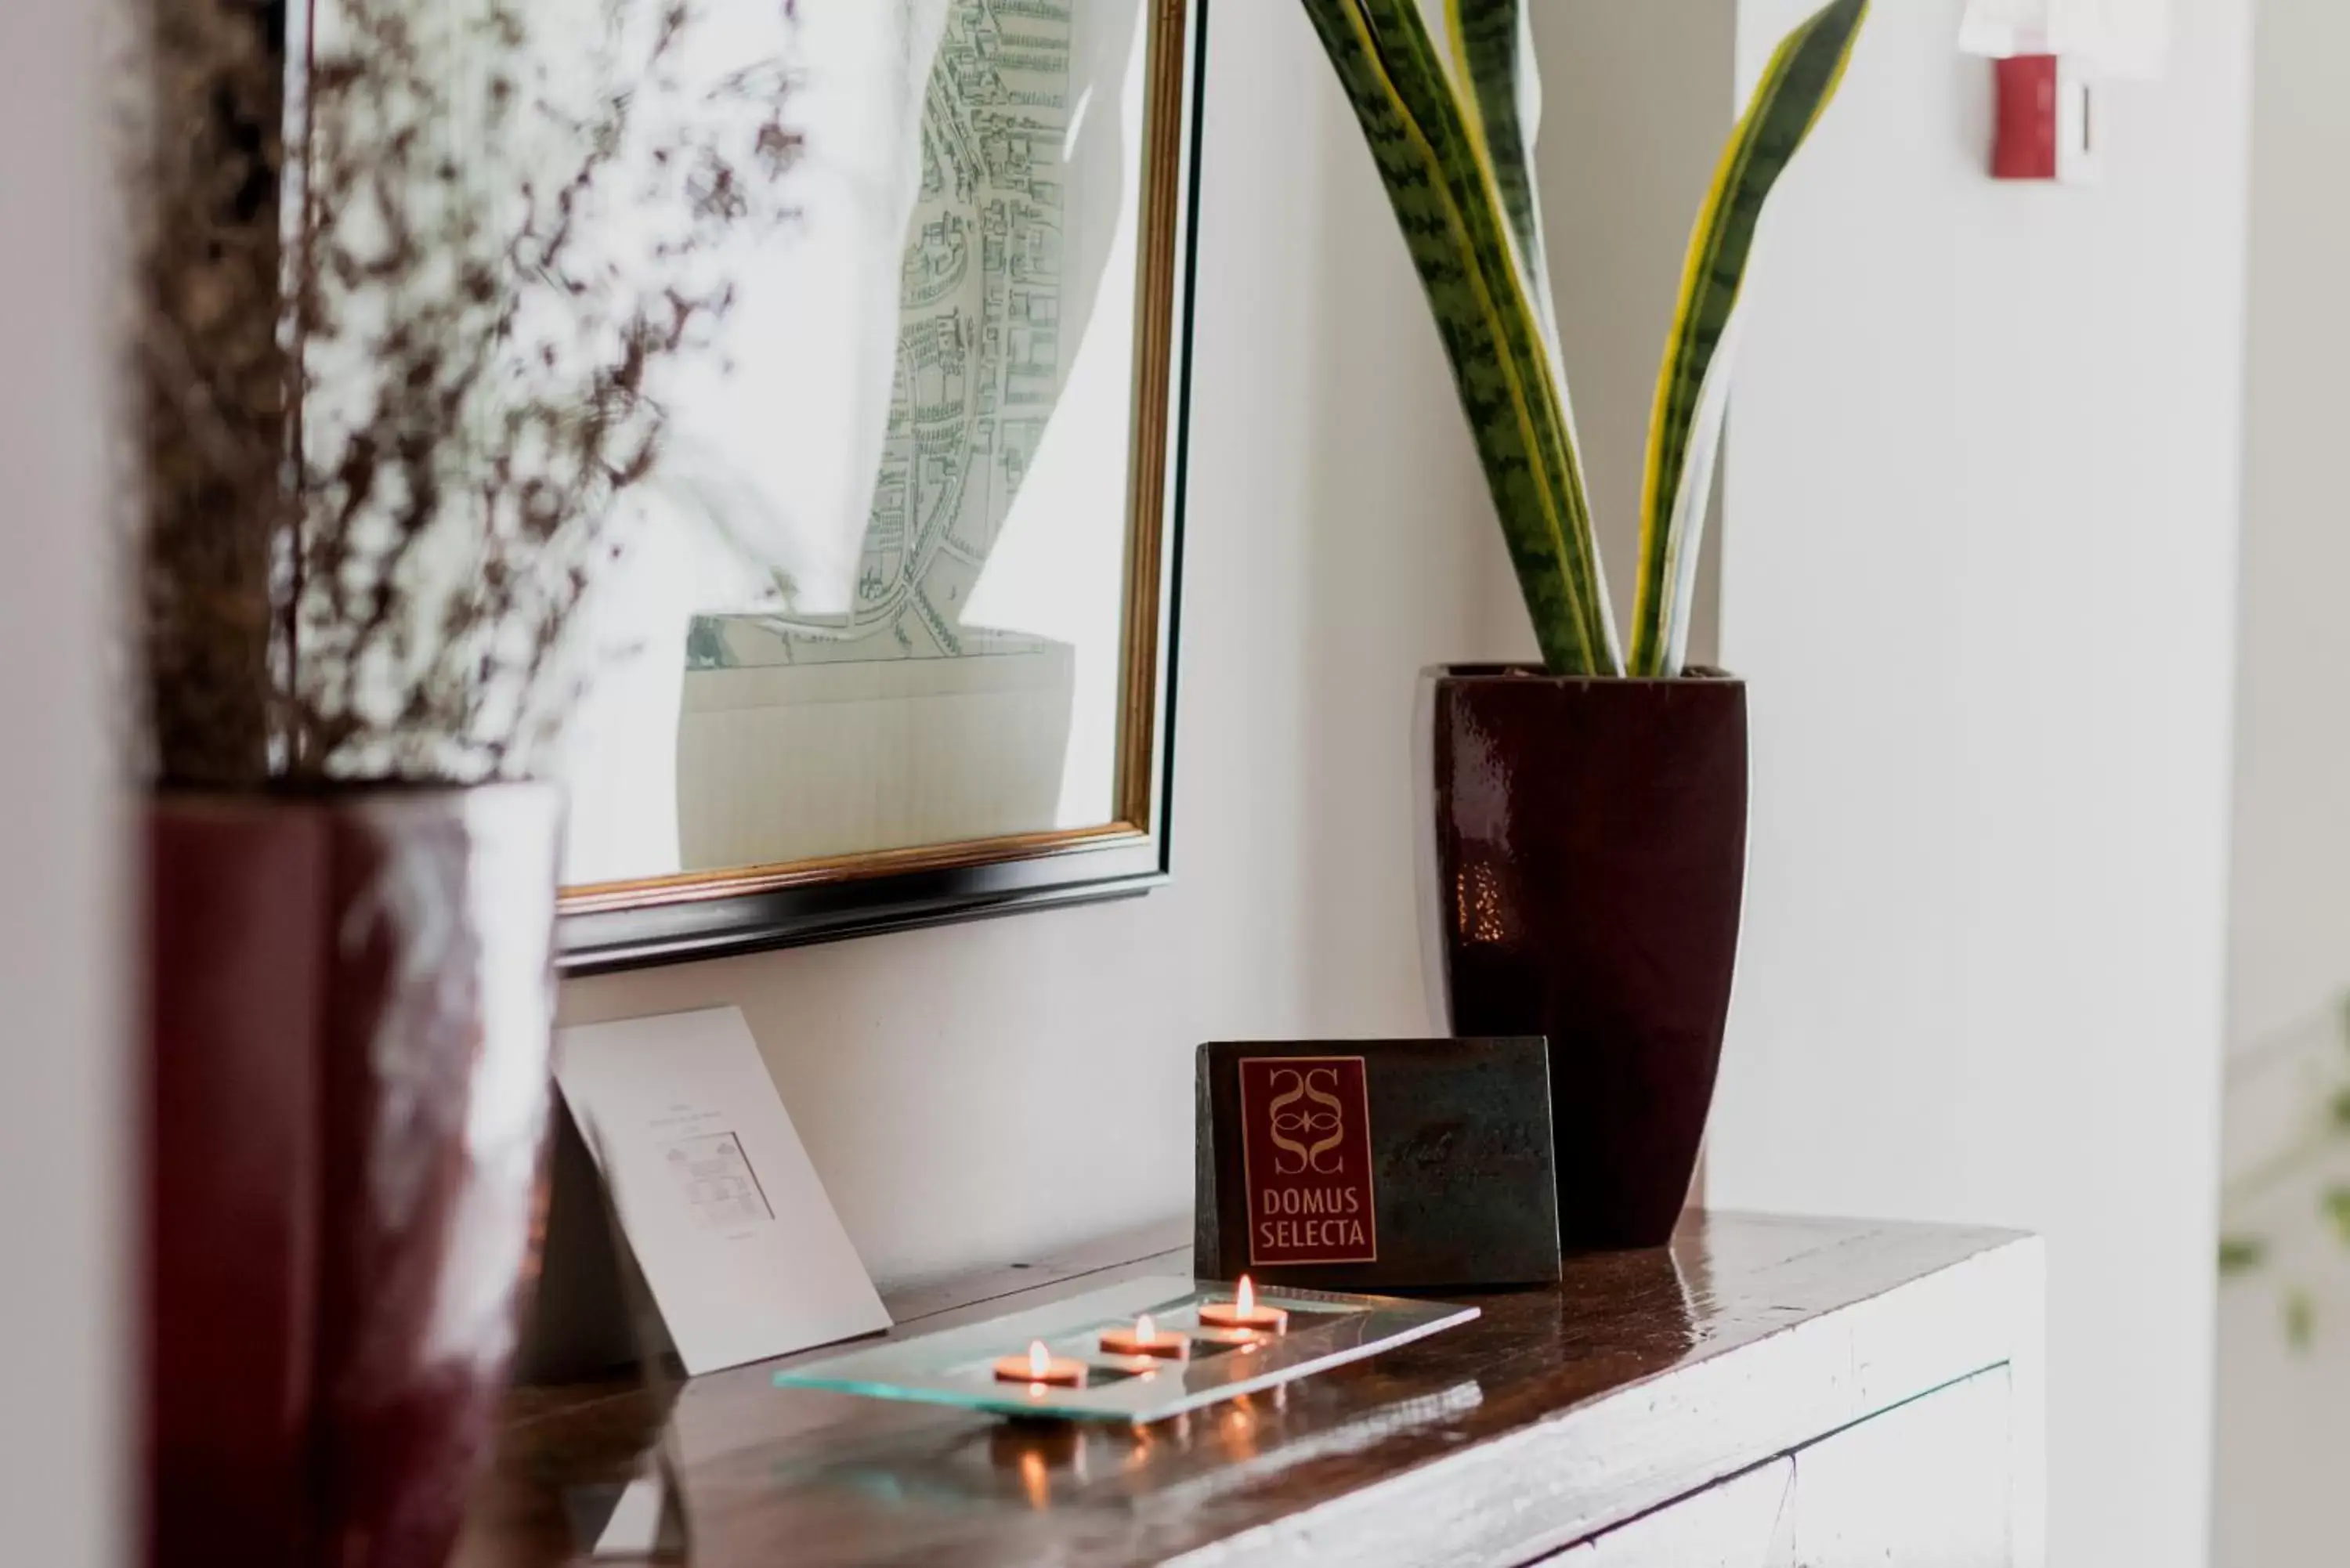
(348, 1006)
(1588, 867)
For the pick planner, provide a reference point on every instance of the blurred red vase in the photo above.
(349, 1007)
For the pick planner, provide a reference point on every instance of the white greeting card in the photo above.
(744, 1255)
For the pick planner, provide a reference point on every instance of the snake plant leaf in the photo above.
(1421, 73)
(1448, 204)
(1493, 48)
(1693, 387)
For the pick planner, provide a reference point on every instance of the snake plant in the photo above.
(1449, 99)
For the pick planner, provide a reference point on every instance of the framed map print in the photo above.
(953, 410)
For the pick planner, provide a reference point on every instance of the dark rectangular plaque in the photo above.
(1377, 1165)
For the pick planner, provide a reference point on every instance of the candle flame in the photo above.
(1040, 1360)
(1245, 1301)
(1145, 1331)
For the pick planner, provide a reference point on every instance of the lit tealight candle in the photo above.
(1243, 1312)
(1146, 1338)
(1041, 1367)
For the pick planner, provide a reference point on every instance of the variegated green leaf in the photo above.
(1693, 387)
(1446, 200)
(1492, 51)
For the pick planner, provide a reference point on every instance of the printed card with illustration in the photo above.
(740, 1245)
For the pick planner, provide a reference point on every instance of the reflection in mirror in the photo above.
(876, 596)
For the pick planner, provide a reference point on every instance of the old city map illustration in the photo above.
(979, 351)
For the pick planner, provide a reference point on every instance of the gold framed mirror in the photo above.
(979, 719)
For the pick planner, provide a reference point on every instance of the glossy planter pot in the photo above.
(348, 1006)
(1582, 882)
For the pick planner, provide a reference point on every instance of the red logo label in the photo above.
(1306, 1148)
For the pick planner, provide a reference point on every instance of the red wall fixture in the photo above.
(2045, 128)
(2025, 144)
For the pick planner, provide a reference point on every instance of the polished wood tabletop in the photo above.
(1642, 1377)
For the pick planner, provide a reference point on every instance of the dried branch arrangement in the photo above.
(399, 371)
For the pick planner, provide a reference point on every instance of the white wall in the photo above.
(1982, 514)
(63, 1137)
(973, 1091)
(2284, 1414)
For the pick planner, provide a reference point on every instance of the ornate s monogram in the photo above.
(1306, 1161)
(1321, 1116)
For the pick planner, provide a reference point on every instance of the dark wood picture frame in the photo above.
(715, 914)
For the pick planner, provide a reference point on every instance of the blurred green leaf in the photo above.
(2300, 1318)
(2242, 1254)
(2336, 1207)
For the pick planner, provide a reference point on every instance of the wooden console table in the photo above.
(1767, 1393)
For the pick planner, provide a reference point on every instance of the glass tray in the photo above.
(956, 1366)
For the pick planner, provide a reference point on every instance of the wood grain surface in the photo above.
(1624, 1395)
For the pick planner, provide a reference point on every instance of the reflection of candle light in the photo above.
(1243, 1311)
(1240, 1427)
(1033, 1479)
